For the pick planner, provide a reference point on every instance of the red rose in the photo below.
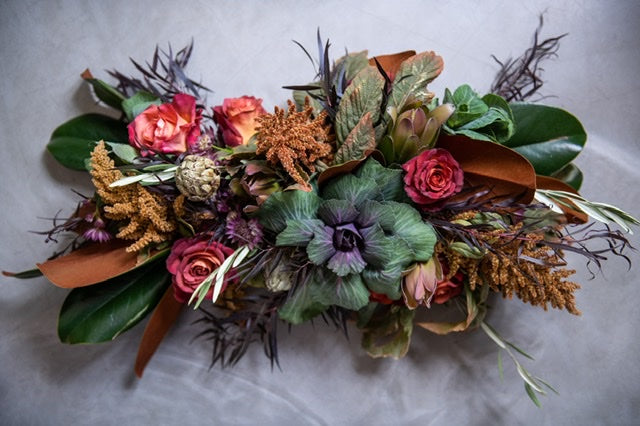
(432, 176)
(236, 119)
(191, 261)
(167, 128)
(448, 289)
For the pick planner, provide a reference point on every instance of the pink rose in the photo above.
(167, 128)
(236, 119)
(431, 177)
(191, 261)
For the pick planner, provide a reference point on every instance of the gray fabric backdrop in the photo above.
(245, 48)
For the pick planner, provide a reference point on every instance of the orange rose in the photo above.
(167, 128)
(236, 119)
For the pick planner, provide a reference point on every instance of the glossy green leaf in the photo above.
(72, 142)
(138, 103)
(101, 312)
(571, 175)
(106, 93)
(469, 106)
(124, 152)
(31, 273)
(549, 137)
(488, 118)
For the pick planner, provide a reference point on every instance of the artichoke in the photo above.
(197, 178)
(414, 129)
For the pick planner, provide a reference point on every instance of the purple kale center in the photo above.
(347, 238)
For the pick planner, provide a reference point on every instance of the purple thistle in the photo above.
(243, 231)
(97, 233)
(222, 198)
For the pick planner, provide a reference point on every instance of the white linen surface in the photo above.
(245, 48)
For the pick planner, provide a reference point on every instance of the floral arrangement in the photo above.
(366, 199)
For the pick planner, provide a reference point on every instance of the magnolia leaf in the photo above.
(550, 138)
(388, 333)
(391, 63)
(94, 263)
(571, 175)
(361, 139)
(412, 78)
(106, 93)
(362, 96)
(102, 312)
(137, 103)
(124, 152)
(502, 171)
(31, 273)
(72, 142)
(162, 318)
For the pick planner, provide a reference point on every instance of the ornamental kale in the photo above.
(355, 233)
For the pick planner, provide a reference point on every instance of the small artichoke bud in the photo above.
(197, 178)
(416, 129)
(279, 279)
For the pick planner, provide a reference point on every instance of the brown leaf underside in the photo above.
(89, 265)
(163, 317)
